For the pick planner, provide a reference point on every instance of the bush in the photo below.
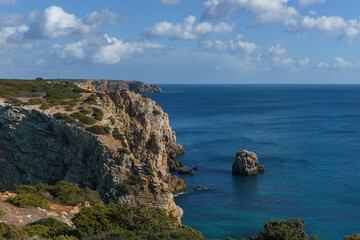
(283, 230)
(48, 227)
(124, 189)
(83, 118)
(2, 213)
(84, 111)
(36, 101)
(29, 200)
(98, 114)
(124, 150)
(62, 192)
(91, 100)
(100, 130)
(14, 101)
(352, 237)
(112, 120)
(111, 217)
(70, 194)
(9, 231)
(147, 170)
(64, 117)
(120, 234)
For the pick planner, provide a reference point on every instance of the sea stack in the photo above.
(246, 164)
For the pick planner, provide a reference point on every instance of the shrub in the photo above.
(98, 114)
(120, 234)
(69, 109)
(124, 189)
(111, 217)
(83, 118)
(62, 192)
(2, 213)
(45, 106)
(112, 120)
(9, 231)
(70, 194)
(156, 112)
(91, 100)
(64, 117)
(48, 227)
(84, 111)
(283, 230)
(29, 200)
(36, 101)
(118, 136)
(148, 170)
(14, 101)
(100, 130)
(124, 150)
(352, 237)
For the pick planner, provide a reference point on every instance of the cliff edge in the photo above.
(116, 143)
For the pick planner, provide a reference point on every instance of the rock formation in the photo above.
(246, 164)
(114, 85)
(36, 147)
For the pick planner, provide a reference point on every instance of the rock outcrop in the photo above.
(246, 164)
(114, 85)
(35, 147)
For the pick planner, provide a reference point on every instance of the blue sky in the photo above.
(182, 41)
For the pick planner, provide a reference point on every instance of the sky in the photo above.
(182, 41)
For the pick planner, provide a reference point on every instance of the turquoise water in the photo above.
(307, 136)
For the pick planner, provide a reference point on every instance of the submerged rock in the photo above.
(200, 188)
(246, 164)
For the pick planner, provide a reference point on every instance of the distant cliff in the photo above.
(113, 85)
(116, 143)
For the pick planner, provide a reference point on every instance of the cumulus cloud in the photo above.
(308, 2)
(71, 52)
(8, 36)
(340, 62)
(334, 25)
(56, 23)
(265, 11)
(187, 30)
(235, 46)
(115, 50)
(169, 2)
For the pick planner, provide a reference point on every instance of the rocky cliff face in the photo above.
(35, 148)
(114, 85)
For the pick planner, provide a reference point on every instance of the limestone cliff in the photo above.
(128, 164)
(114, 85)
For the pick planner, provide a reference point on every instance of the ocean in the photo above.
(306, 136)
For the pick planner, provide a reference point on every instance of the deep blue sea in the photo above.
(307, 136)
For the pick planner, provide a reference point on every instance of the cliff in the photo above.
(122, 154)
(114, 85)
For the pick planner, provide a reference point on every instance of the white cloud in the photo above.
(7, 1)
(332, 25)
(169, 2)
(308, 2)
(265, 10)
(56, 23)
(187, 30)
(304, 62)
(323, 65)
(340, 62)
(8, 36)
(72, 52)
(232, 46)
(115, 50)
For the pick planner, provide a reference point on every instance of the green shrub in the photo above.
(84, 111)
(64, 117)
(98, 114)
(124, 189)
(100, 130)
(91, 100)
(118, 136)
(148, 170)
(111, 217)
(14, 101)
(29, 200)
(69, 109)
(70, 194)
(120, 234)
(124, 150)
(83, 118)
(112, 120)
(36, 101)
(283, 230)
(48, 227)
(62, 192)
(352, 237)
(71, 103)
(2, 213)
(9, 231)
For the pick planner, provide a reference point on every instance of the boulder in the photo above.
(200, 188)
(246, 164)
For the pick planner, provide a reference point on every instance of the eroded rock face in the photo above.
(246, 164)
(114, 85)
(37, 148)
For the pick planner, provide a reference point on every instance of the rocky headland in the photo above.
(116, 143)
(246, 164)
